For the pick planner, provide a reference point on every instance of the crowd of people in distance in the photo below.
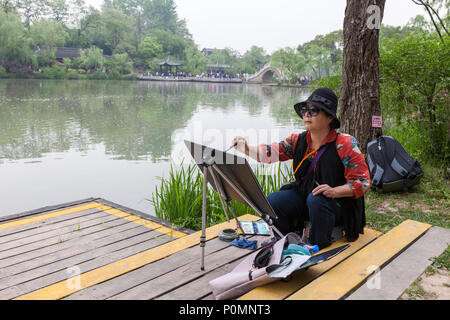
(204, 75)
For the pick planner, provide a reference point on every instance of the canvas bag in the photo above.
(245, 276)
(391, 168)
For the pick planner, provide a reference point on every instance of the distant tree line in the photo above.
(133, 33)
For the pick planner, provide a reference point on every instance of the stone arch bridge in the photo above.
(265, 75)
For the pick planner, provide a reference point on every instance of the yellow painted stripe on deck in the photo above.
(348, 275)
(147, 223)
(21, 222)
(280, 290)
(63, 289)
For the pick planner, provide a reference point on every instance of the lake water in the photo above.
(62, 141)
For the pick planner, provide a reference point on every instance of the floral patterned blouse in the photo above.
(356, 170)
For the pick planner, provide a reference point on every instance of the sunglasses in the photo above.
(313, 111)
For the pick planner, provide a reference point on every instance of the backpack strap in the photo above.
(397, 167)
(378, 175)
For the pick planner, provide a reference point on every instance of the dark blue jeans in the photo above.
(292, 209)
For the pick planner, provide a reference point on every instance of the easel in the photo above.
(209, 167)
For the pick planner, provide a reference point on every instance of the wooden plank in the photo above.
(145, 216)
(81, 246)
(185, 274)
(101, 221)
(148, 272)
(64, 227)
(148, 223)
(44, 223)
(199, 288)
(60, 290)
(126, 241)
(91, 234)
(21, 222)
(61, 276)
(61, 264)
(351, 273)
(280, 290)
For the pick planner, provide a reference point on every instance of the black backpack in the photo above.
(392, 169)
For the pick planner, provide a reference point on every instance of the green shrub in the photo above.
(3, 73)
(81, 71)
(131, 76)
(98, 75)
(54, 72)
(73, 75)
(414, 75)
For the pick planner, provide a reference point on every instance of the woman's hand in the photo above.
(326, 190)
(337, 192)
(241, 144)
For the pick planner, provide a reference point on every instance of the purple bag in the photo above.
(245, 276)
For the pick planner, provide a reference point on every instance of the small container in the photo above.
(228, 235)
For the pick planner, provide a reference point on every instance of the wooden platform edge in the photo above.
(349, 275)
(390, 282)
(45, 209)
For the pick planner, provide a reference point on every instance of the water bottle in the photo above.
(311, 249)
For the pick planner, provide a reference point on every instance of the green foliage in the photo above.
(196, 62)
(290, 61)
(171, 43)
(14, 43)
(414, 75)
(46, 59)
(73, 75)
(3, 73)
(149, 49)
(116, 27)
(48, 34)
(98, 75)
(333, 82)
(227, 56)
(93, 58)
(54, 72)
(253, 60)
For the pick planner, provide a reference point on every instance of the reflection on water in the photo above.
(67, 140)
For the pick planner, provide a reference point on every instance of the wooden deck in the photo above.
(97, 250)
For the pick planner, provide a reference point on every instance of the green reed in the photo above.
(178, 198)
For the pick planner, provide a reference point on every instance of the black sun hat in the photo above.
(326, 100)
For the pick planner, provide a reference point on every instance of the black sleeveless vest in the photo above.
(330, 170)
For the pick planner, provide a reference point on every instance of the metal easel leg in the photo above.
(203, 236)
(238, 224)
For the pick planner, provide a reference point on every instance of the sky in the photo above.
(271, 24)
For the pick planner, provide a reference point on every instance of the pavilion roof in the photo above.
(169, 62)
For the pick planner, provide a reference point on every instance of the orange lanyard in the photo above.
(306, 157)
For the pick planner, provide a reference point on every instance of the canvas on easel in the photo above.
(233, 179)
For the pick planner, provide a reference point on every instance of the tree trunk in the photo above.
(360, 91)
